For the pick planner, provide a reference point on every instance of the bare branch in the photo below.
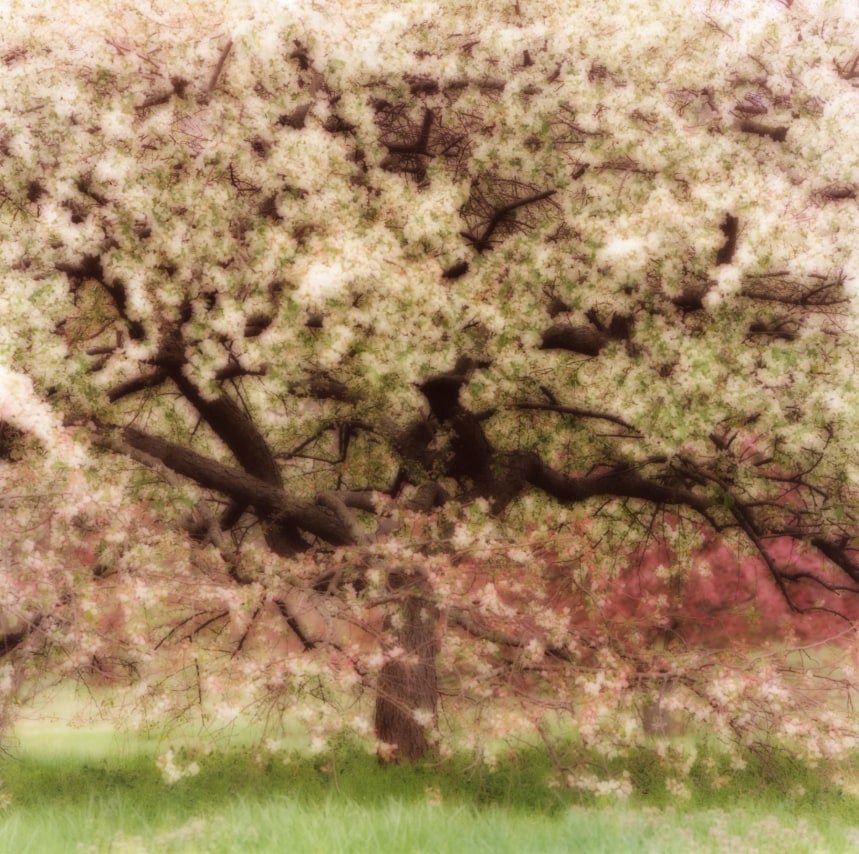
(574, 411)
(293, 624)
(136, 384)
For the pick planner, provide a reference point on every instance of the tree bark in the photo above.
(407, 689)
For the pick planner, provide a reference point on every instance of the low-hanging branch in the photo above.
(242, 487)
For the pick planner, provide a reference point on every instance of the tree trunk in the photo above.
(407, 689)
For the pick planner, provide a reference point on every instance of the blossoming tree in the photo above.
(374, 339)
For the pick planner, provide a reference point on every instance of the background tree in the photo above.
(399, 312)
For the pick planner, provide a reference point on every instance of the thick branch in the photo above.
(12, 640)
(335, 503)
(838, 555)
(575, 339)
(442, 390)
(230, 424)
(729, 228)
(136, 384)
(617, 483)
(241, 487)
(776, 134)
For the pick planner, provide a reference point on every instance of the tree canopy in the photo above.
(331, 325)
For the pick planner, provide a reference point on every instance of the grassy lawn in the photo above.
(70, 790)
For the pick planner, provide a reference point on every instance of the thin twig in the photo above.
(574, 411)
(213, 82)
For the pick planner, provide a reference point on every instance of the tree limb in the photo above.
(293, 624)
(239, 485)
(459, 617)
(622, 482)
(136, 384)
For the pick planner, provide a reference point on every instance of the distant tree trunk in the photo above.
(656, 718)
(407, 689)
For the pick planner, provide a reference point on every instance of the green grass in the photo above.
(282, 826)
(68, 790)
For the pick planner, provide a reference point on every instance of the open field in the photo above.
(114, 825)
(90, 790)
